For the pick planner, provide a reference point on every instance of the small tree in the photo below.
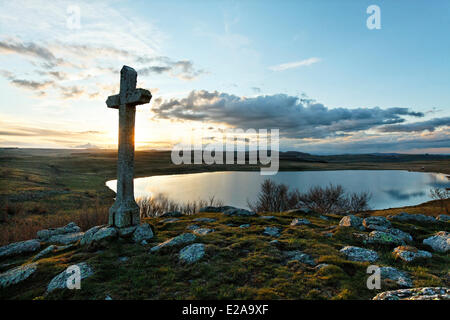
(442, 195)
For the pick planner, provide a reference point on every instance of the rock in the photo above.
(403, 217)
(439, 242)
(126, 232)
(203, 231)
(60, 281)
(274, 242)
(108, 298)
(400, 234)
(205, 220)
(299, 222)
(352, 221)
(300, 257)
(45, 252)
(192, 253)
(105, 234)
(239, 212)
(66, 238)
(181, 239)
(172, 214)
(88, 235)
(144, 243)
(17, 248)
(16, 275)
(376, 223)
(380, 237)
(170, 220)
(216, 209)
(409, 253)
(244, 226)
(272, 231)
(443, 218)
(142, 232)
(45, 234)
(359, 254)
(123, 259)
(193, 227)
(425, 293)
(320, 266)
(400, 277)
(267, 217)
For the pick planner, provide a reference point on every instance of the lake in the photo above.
(389, 188)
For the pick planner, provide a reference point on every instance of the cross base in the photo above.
(124, 214)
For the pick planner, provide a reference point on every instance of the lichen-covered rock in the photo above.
(439, 242)
(400, 277)
(205, 220)
(192, 253)
(45, 252)
(126, 232)
(359, 254)
(409, 253)
(105, 234)
(203, 231)
(300, 257)
(60, 281)
(352, 221)
(299, 222)
(45, 234)
(386, 238)
(239, 212)
(400, 234)
(267, 217)
(216, 209)
(181, 239)
(89, 234)
(376, 223)
(443, 218)
(17, 248)
(193, 227)
(404, 217)
(171, 214)
(272, 231)
(142, 232)
(17, 275)
(245, 225)
(170, 220)
(426, 293)
(67, 238)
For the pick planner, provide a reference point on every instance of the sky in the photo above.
(312, 69)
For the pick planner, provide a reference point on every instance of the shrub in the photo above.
(442, 195)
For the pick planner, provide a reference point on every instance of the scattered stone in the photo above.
(439, 242)
(300, 257)
(108, 298)
(144, 243)
(400, 277)
(60, 281)
(239, 212)
(359, 254)
(443, 218)
(45, 252)
(243, 226)
(17, 275)
(123, 259)
(192, 253)
(170, 220)
(426, 293)
(267, 217)
(352, 221)
(126, 232)
(203, 231)
(216, 209)
(17, 248)
(205, 220)
(193, 227)
(142, 232)
(68, 238)
(404, 216)
(272, 231)
(45, 234)
(274, 242)
(376, 223)
(400, 234)
(181, 239)
(88, 235)
(324, 217)
(172, 214)
(320, 266)
(105, 234)
(409, 253)
(299, 222)
(380, 237)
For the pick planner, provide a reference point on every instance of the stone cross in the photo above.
(125, 211)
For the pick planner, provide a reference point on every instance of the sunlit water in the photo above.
(389, 188)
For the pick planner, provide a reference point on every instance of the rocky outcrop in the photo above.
(352, 221)
(181, 239)
(299, 222)
(143, 233)
(400, 277)
(17, 248)
(203, 231)
(272, 231)
(409, 253)
(439, 242)
(171, 214)
(359, 254)
(244, 226)
(406, 217)
(388, 237)
(216, 209)
(206, 220)
(443, 218)
(16, 275)
(376, 223)
(68, 238)
(239, 212)
(46, 234)
(267, 217)
(426, 293)
(192, 253)
(60, 281)
(45, 252)
(300, 257)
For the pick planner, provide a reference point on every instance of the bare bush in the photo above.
(442, 195)
(274, 197)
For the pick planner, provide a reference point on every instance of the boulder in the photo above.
(192, 253)
(170, 220)
(300, 222)
(239, 212)
(376, 223)
(267, 217)
(400, 234)
(404, 217)
(67, 238)
(359, 254)
(409, 253)
(320, 266)
(17, 248)
(203, 231)
(142, 232)
(181, 239)
(205, 220)
(443, 218)
(171, 214)
(193, 227)
(216, 209)
(45, 234)
(244, 226)
(45, 252)
(126, 232)
(272, 231)
(385, 238)
(425, 293)
(105, 234)
(352, 221)
(300, 257)
(60, 281)
(16, 275)
(439, 242)
(88, 235)
(400, 277)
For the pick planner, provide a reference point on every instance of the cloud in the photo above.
(31, 85)
(87, 146)
(429, 125)
(28, 49)
(295, 64)
(295, 117)
(183, 69)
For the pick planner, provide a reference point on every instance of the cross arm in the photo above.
(138, 96)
